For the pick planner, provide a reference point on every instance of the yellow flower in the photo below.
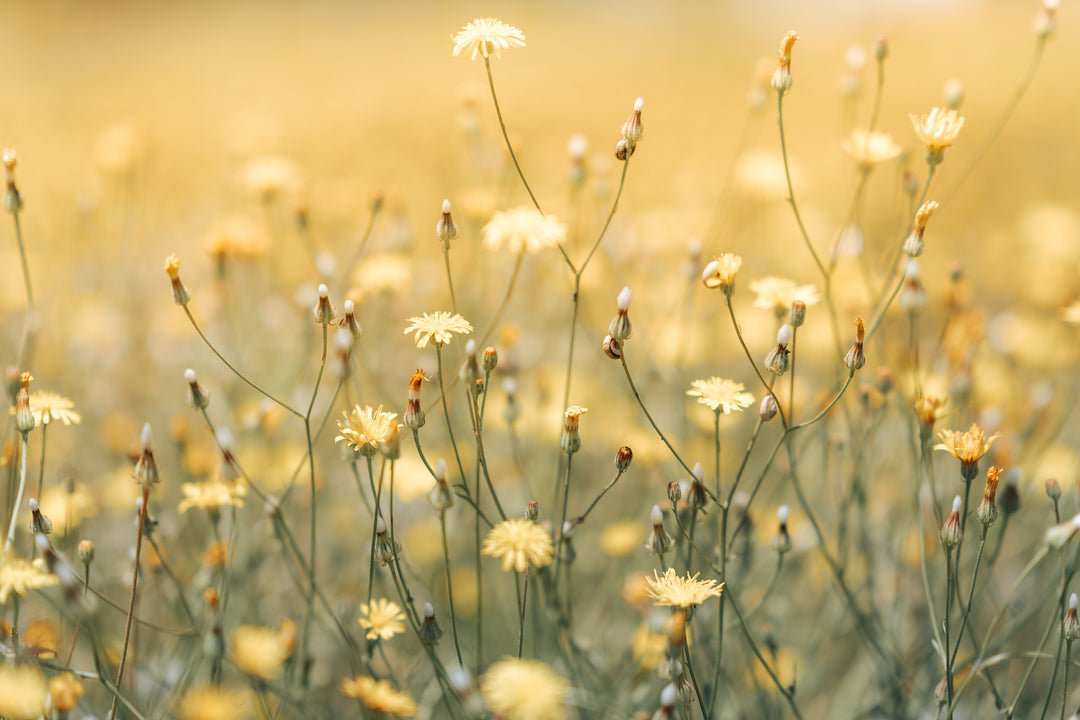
(23, 692)
(486, 36)
(213, 703)
(438, 325)
(211, 495)
(967, 447)
(364, 428)
(777, 294)
(523, 229)
(520, 543)
(938, 130)
(379, 696)
(870, 148)
(672, 590)
(382, 619)
(524, 690)
(48, 406)
(65, 690)
(260, 650)
(720, 273)
(720, 395)
(21, 576)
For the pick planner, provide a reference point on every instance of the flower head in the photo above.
(870, 148)
(524, 690)
(777, 294)
(967, 447)
(438, 325)
(382, 619)
(48, 406)
(260, 650)
(672, 590)
(23, 692)
(485, 36)
(213, 703)
(720, 395)
(520, 543)
(721, 272)
(211, 495)
(378, 696)
(21, 576)
(937, 131)
(523, 229)
(364, 428)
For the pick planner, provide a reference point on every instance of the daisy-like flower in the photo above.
(967, 447)
(211, 495)
(720, 273)
(777, 294)
(524, 690)
(382, 619)
(364, 428)
(21, 576)
(24, 693)
(485, 36)
(720, 395)
(439, 326)
(520, 543)
(870, 148)
(379, 696)
(260, 650)
(672, 590)
(937, 131)
(523, 229)
(213, 703)
(48, 406)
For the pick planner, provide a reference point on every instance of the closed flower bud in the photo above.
(988, 511)
(348, 320)
(197, 395)
(632, 129)
(1070, 626)
(776, 361)
(950, 532)
(491, 359)
(446, 230)
(24, 417)
(881, 48)
(624, 149)
(767, 411)
(39, 524)
(674, 492)
(532, 510)
(620, 328)
(441, 496)
(86, 551)
(430, 632)
(414, 414)
(571, 440)
(1053, 489)
(13, 202)
(659, 540)
(324, 311)
(781, 79)
(797, 315)
(385, 548)
(180, 293)
(612, 348)
(146, 469)
(856, 358)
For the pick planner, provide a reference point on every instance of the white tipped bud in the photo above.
(470, 347)
(782, 514)
(1072, 601)
(699, 472)
(576, 146)
(189, 375)
(710, 270)
(350, 307)
(225, 439)
(625, 296)
(668, 695)
(445, 206)
(147, 438)
(783, 335)
(33, 503)
(639, 104)
(324, 291)
(656, 515)
(440, 471)
(380, 526)
(429, 609)
(957, 503)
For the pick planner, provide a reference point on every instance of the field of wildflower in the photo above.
(670, 362)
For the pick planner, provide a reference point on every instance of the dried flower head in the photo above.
(937, 131)
(781, 79)
(379, 696)
(523, 229)
(382, 619)
(524, 690)
(720, 273)
(672, 590)
(870, 148)
(777, 294)
(213, 703)
(363, 429)
(438, 325)
(23, 692)
(571, 438)
(260, 650)
(520, 543)
(720, 395)
(486, 36)
(211, 495)
(988, 511)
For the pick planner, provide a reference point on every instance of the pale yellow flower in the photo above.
(211, 495)
(777, 294)
(23, 692)
(379, 696)
(670, 589)
(439, 326)
(486, 36)
(520, 543)
(870, 148)
(720, 395)
(48, 406)
(67, 508)
(938, 129)
(524, 690)
(214, 703)
(364, 428)
(720, 273)
(382, 619)
(21, 576)
(523, 229)
(260, 650)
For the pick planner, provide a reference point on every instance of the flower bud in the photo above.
(39, 524)
(441, 496)
(1070, 626)
(348, 320)
(781, 79)
(24, 416)
(86, 551)
(324, 311)
(620, 328)
(446, 230)
(950, 532)
(797, 315)
(197, 395)
(623, 457)
(988, 511)
(856, 358)
(612, 348)
(180, 293)
(571, 440)
(881, 48)
(491, 359)
(532, 510)
(659, 541)
(430, 632)
(65, 691)
(632, 129)
(1053, 489)
(674, 492)
(146, 469)
(414, 414)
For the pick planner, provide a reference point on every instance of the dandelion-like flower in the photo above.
(870, 148)
(524, 690)
(777, 294)
(937, 131)
(48, 406)
(485, 36)
(379, 696)
(260, 650)
(364, 428)
(967, 447)
(720, 273)
(21, 576)
(213, 703)
(382, 619)
(720, 395)
(23, 692)
(211, 495)
(520, 543)
(672, 590)
(523, 229)
(439, 326)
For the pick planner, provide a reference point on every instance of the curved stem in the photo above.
(753, 363)
(23, 449)
(641, 404)
(791, 191)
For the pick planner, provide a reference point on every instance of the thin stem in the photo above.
(450, 587)
(753, 363)
(791, 191)
(949, 581)
(788, 695)
(641, 404)
(449, 279)
(24, 340)
(23, 450)
(131, 602)
(521, 625)
(1065, 683)
(581, 518)
(557, 532)
(41, 467)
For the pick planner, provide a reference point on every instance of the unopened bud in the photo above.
(532, 510)
(950, 532)
(856, 358)
(146, 469)
(797, 315)
(623, 457)
(86, 551)
(491, 359)
(674, 492)
(180, 293)
(446, 230)
(324, 311)
(24, 416)
(197, 395)
(632, 129)
(349, 321)
(1053, 489)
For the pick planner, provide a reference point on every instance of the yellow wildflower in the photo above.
(382, 619)
(520, 543)
(720, 395)
(524, 690)
(672, 590)
(379, 696)
(439, 325)
(523, 229)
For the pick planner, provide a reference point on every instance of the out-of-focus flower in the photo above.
(260, 650)
(524, 690)
(382, 619)
(870, 148)
(270, 177)
(486, 36)
(777, 294)
(235, 237)
(720, 395)
(379, 696)
(21, 576)
(23, 692)
(523, 229)
(211, 495)
(214, 703)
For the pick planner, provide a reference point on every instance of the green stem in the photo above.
(23, 450)
(450, 587)
(791, 191)
(131, 602)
